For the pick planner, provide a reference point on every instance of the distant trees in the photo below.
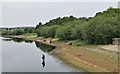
(17, 31)
(13, 32)
(6, 32)
(29, 30)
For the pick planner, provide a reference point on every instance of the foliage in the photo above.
(100, 29)
(101, 32)
(38, 26)
(29, 30)
(71, 30)
(76, 33)
(60, 21)
(64, 33)
(7, 32)
(17, 32)
(47, 31)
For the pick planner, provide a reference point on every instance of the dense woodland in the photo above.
(100, 29)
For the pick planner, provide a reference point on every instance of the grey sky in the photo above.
(30, 13)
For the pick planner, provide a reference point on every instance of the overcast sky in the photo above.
(16, 14)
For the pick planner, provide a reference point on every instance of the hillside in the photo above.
(99, 29)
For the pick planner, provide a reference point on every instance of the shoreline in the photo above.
(70, 55)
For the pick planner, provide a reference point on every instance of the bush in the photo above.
(29, 30)
(18, 32)
(76, 33)
(64, 33)
(101, 32)
(47, 31)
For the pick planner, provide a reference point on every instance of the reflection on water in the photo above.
(43, 58)
(20, 56)
(44, 47)
(39, 45)
(7, 39)
(28, 41)
(19, 40)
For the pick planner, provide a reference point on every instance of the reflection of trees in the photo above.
(28, 41)
(44, 47)
(7, 39)
(21, 40)
(17, 39)
(43, 62)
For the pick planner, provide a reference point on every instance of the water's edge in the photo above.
(50, 51)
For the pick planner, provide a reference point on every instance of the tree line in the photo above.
(100, 29)
(16, 31)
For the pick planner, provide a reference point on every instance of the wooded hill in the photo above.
(100, 29)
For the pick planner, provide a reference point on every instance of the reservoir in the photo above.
(26, 56)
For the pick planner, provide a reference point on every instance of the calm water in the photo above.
(20, 56)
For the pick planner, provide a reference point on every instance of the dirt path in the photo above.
(113, 48)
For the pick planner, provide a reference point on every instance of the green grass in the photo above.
(78, 43)
(30, 34)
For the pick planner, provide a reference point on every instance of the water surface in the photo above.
(25, 56)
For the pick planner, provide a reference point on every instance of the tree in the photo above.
(29, 30)
(18, 32)
(60, 21)
(38, 25)
(64, 33)
(47, 31)
(101, 32)
(76, 33)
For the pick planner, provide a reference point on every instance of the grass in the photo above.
(79, 42)
(30, 34)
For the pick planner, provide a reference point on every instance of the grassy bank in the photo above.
(88, 57)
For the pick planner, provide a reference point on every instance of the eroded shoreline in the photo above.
(78, 56)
